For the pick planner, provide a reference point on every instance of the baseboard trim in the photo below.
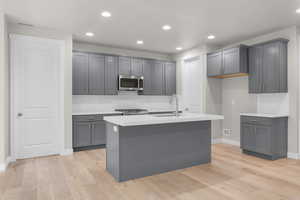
(66, 152)
(294, 156)
(4, 166)
(216, 141)
(231, 142)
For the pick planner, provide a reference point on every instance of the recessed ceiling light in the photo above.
(298, 11)
(211, 37)
(90, 34)
(106, 14)
(178, 48)
(140, 42)
(166, 27)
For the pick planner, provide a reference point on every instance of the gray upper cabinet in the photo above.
(268, 67)
(229, 62)
(130, 66)
(235, 60)
(137, 67)
(96, 74)
(157, 77)
(124, 65)
(147, 69)
(255, 66)
(170, 78)
(111, 75)
(214, 64)
(80, 73)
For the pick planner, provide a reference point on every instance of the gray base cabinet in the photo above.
(138, 151)
(264, 137)
(268, 67)
(88, 132)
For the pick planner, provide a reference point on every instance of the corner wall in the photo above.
(4, 93)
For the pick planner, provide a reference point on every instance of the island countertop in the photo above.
(138, 120)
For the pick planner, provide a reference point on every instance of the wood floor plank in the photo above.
(82, 176)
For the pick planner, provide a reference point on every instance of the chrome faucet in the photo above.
(176, 104)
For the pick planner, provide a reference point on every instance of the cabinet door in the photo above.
(255, 69)
(157, 82)
(80, 73)
(271, 68)
(214, 64)
(231, 61)
(248, 137)
(111, 75)
(83, 134)
(99, 133)
(147, 70)
(96, 74)
(124, 65)
(170, 78)
(137, 67)
(263, 139)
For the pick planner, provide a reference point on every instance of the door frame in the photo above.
(61, 124)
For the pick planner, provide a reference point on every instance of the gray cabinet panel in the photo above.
(268, 67)
(248, 137)
(96, 74)
(124, 65)
(83, 134)
(80, 73)
(170, 78)
(271, 68)
(255, 68)
(263, 140)
(137, 67)
(111, 75)
(231, 61)
(157, 77)
(147, 70)
(214, 64)
(98, 133)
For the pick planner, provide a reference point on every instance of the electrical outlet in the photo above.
(227, 132)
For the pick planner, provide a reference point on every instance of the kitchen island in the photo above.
(138, 146)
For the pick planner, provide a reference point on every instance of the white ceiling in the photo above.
(191, 20)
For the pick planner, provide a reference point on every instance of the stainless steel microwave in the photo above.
(131, 83)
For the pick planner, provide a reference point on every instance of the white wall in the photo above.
(4, 92)
(96, 48)
(53, 34)
(108, 102)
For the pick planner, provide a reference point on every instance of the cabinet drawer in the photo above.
(85, 118)
(256, 120)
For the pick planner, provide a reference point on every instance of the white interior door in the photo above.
(36, 65)
(193, 84)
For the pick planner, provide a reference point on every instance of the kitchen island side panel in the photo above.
(151, 149)
(112, 151)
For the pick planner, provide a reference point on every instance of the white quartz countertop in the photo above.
(264, 115)
(107, 112)
(138, 120)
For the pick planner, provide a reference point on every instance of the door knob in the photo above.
(20, 114)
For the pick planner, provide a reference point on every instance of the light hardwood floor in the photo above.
(231, 175)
